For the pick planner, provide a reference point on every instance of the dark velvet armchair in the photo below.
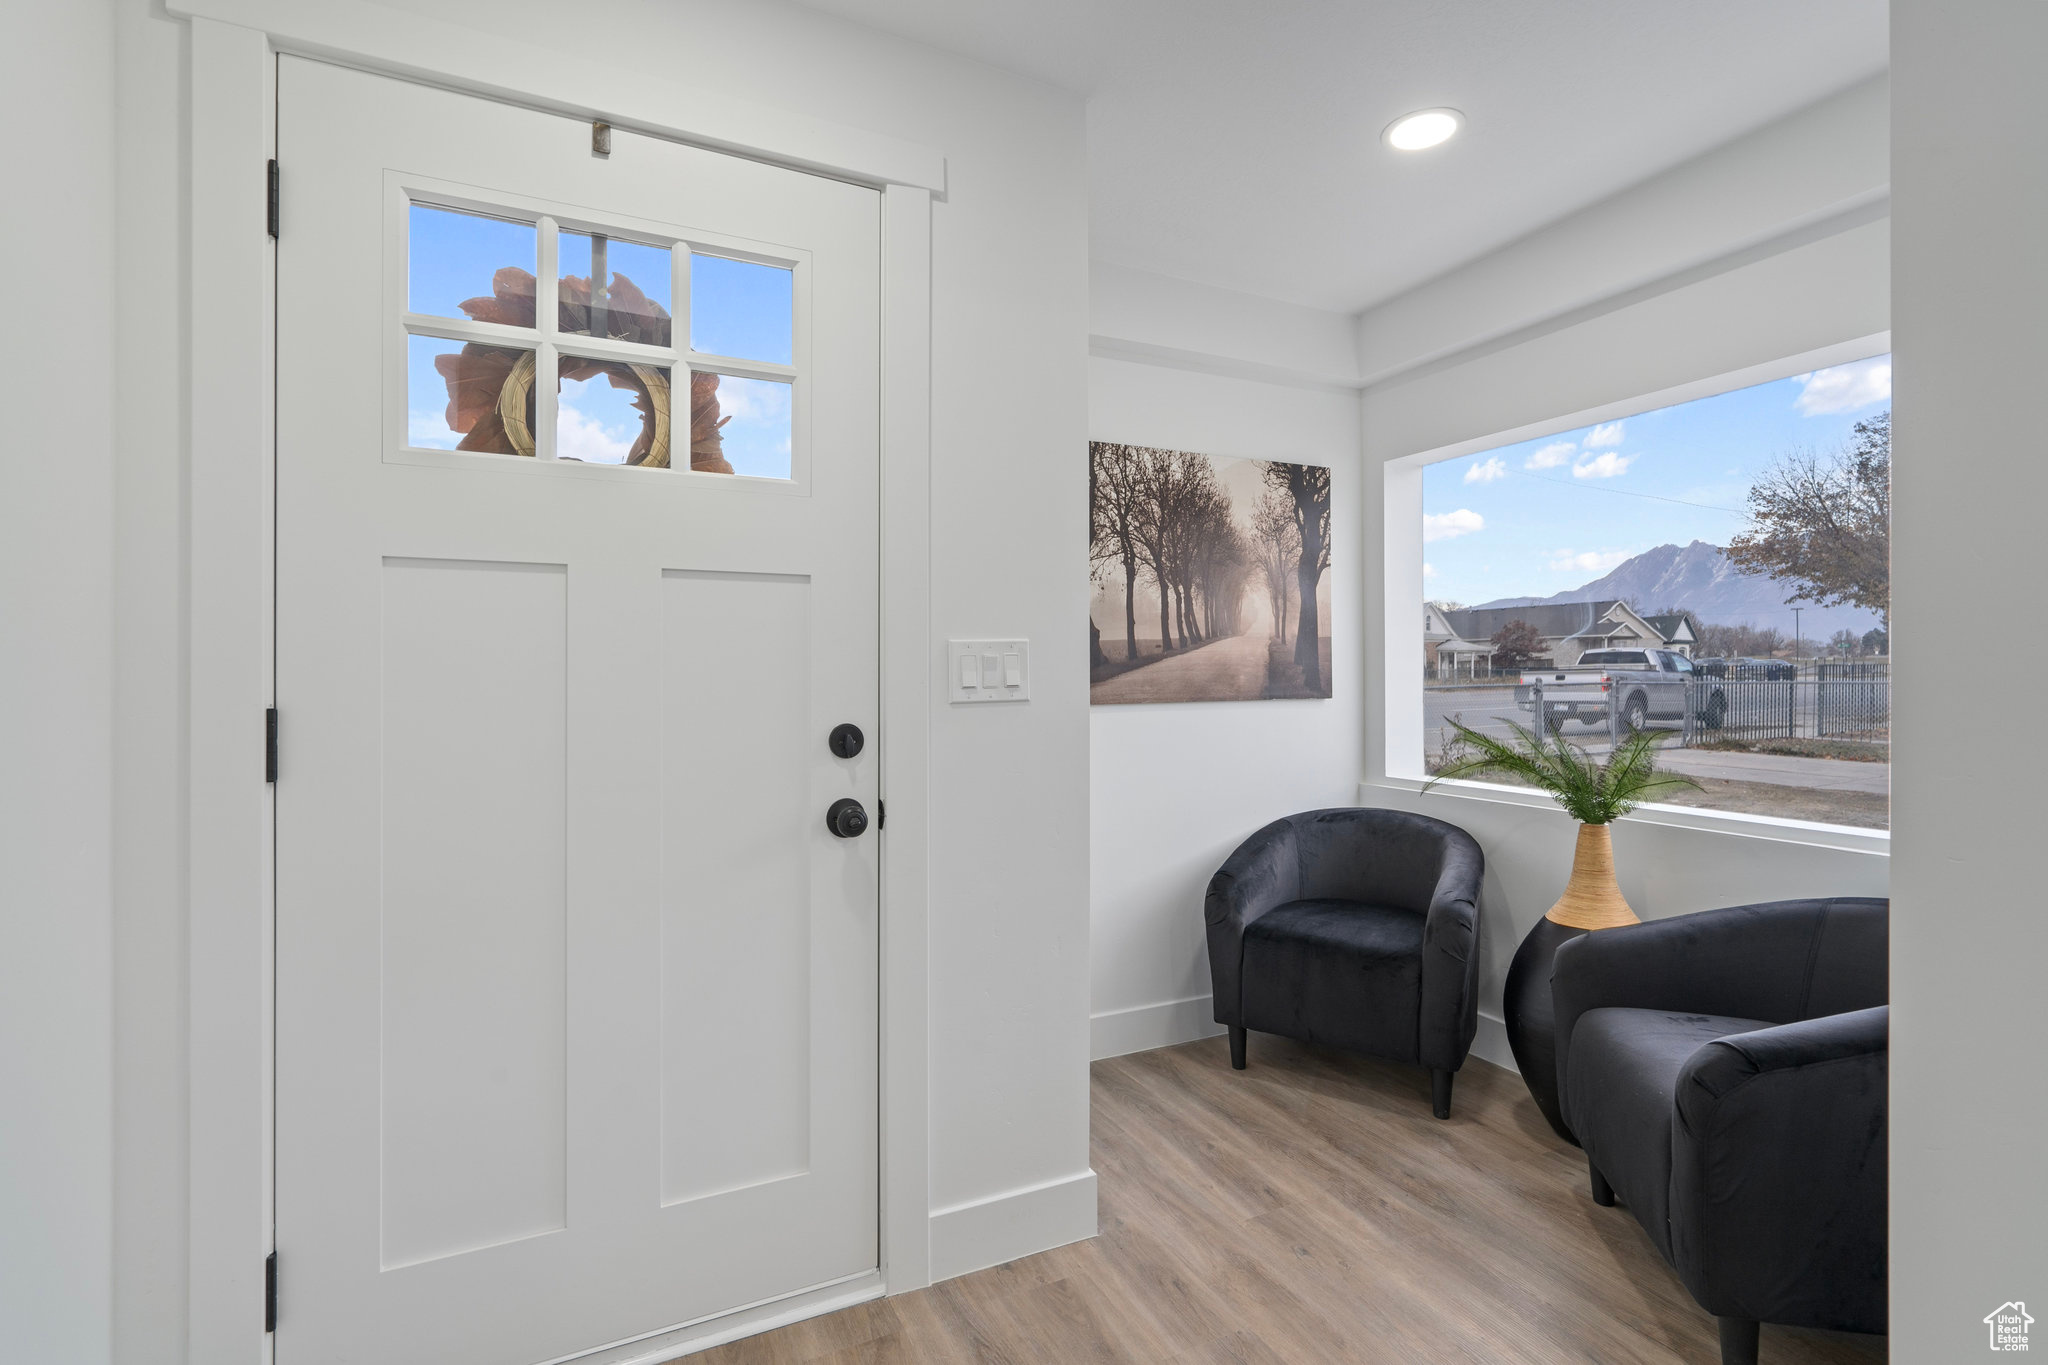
(1726, 1074)
(1354, 928)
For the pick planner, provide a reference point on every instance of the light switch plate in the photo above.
(984, 670)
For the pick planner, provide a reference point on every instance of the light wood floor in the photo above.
(1307, 1210)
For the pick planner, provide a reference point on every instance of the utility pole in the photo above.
(1795, 640)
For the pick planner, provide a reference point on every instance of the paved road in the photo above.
(1222, 670)
(1488, 710)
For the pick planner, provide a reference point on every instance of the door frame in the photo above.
(231, 66)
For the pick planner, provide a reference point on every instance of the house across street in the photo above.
(1458, 641)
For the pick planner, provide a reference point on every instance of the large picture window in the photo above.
(1717, 570)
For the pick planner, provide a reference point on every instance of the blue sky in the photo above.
(738, 308)
(1538, 517)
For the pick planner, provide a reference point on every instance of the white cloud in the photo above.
(1845, 388)
(1606, 434)
(582, 437)
(1552, 456)
(1446, 525)
(429, 431)
(1486, 473)
(1605, 465)
(1428, 569)
(1588, 561)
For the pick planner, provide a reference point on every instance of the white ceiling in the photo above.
(1237, 143)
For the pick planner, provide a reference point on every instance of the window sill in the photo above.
(1732, 823)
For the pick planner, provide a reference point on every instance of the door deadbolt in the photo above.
(846, 740)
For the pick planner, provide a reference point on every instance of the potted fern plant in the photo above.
(1596, 793)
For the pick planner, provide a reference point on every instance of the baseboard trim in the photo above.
(705, 1333)
(1144, 1027)
(1491, 1043)
(985, 1232)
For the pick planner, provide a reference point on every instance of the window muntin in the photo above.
(1787, 702)
(480, 358)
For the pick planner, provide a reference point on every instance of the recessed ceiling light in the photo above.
(1423, 129)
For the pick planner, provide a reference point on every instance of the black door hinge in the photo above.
(272, 219)
(881, 815)
(270, 745)
(270, 1292)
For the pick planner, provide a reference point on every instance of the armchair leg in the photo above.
(1603, 1195)
(1738, 1341)
(1237, 1046)
(1440, 1092)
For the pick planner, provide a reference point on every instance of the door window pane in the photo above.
(614, 289)
(741, 309)
(613, 413)
(739, 426)
(467, 396)
(466, 265)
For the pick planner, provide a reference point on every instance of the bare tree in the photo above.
(1159, 495)
(1113, 499)
(1198, 507)
(1309, 487)
(1725, 642)
(1279, 551)
(1223, 561)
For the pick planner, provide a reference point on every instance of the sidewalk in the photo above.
(1784, 770)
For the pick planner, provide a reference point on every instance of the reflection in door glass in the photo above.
(612, 413)
(466, 396)
(739, 426)
(615, 289)
(740, 309)
(467, 265)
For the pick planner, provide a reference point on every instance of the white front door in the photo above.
(576, 991)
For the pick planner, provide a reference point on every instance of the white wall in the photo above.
(151, 464)
(1969, 1210)
(1137, 315)
(1810, 173)
(1808, 292)
(1174, 788)
(1008, 935)
(56, 671)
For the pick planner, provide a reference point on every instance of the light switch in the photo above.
(989, 670)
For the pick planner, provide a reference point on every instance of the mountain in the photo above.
(1699, 578)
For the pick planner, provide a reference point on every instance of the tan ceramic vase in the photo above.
(1592, 899)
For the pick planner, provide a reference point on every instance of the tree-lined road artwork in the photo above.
(1210, 577)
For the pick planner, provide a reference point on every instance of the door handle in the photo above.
(846, 818)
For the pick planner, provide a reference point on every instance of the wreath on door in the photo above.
(490, 388)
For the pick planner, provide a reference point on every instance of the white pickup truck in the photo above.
(1647, 684)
